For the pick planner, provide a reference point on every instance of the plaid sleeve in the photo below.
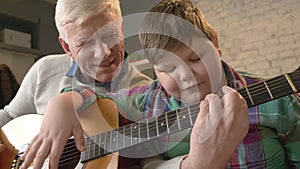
(88, 95)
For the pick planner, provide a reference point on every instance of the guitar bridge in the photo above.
(16, 163)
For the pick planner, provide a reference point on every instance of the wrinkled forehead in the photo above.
(100, 24)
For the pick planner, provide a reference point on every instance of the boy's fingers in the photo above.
(78, 137)
(212, 119)
(204, 109)
(30, 153)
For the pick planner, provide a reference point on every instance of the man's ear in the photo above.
(64, 45)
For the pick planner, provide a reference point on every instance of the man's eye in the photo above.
(195, 59)
(87, 43)
(111, 36)
(167, 70)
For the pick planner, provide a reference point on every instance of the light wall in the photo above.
(261, 37)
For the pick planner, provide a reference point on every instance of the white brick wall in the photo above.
(257, 36)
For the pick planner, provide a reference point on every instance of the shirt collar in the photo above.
(76, 73)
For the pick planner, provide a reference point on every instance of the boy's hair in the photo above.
(172, 23)
(79, 11)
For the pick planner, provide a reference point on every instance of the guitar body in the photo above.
(21, 131)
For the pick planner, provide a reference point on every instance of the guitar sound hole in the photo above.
(70, 157)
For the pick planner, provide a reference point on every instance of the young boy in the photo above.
(183, 49)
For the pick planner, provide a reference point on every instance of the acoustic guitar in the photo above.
(104, 138)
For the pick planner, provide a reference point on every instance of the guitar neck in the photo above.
(271, 89)
(183, 118)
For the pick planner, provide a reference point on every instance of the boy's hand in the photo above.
(60, 122)
(218, 149)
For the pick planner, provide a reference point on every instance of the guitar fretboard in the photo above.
(183, 118)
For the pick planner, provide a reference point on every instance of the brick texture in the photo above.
(261, 37)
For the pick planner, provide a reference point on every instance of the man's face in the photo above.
(97, 46)
(183, 72)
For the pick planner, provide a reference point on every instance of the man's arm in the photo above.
(23, 102)
(60, 122)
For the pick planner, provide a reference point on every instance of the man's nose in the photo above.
(103, 51)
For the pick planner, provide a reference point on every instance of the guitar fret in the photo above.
(99, 143)
(139, 132)
(128, 135)
(249, 96)
(105, 149)
(98, 147)
(268, 90)
(156, 123)
(110, 141)
(124, 137)
(148, 134)
(178, 120)
(166, 115)
(190, 116)
(135, 133)
(115, 140)
(91, 149)
(291, 83)
(131, 133)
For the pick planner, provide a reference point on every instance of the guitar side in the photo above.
(94, 122)
(22, 130)
(15, 134)
(8, 154)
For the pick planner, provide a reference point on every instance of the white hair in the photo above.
(79, 11)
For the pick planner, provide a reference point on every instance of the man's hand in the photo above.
(60, 122)
(217, 150)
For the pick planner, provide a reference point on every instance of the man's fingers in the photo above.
(56, 152)
(41, 155)
(29, 156)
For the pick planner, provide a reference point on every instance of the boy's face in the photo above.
(183, 72)
(97, 46)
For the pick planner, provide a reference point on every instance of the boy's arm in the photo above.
(60, 122)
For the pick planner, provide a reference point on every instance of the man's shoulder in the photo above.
(55, 58)
(52, 65)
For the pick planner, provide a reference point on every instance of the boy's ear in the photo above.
(64, 45)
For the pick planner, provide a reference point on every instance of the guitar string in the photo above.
(153, 127)
(275, 82)
(270, 84)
